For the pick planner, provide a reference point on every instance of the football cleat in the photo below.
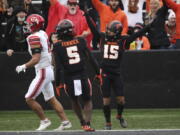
(43, 125)
(64, 125)
(88, 128)
(123, 122)
(108, 126)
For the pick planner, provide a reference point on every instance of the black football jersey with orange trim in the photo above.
(71, 57)
(112, 53)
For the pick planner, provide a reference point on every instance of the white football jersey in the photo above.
(40, 40)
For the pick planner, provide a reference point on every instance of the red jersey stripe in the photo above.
(38, 85)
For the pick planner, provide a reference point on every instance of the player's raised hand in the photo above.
(21, 68)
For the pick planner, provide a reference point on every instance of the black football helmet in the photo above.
(65, 29)
(113, 30)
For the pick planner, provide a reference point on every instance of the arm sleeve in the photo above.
(147, 5)
(92, 27)
(59, 68)
(171, 4)
(136, 35)
(125, 24)
(35, 44)
(91, 58)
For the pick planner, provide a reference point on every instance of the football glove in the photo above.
(99, 78)
(59, 89)
(21, 68)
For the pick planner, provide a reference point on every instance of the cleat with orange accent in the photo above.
(108, 126)
(88, 128)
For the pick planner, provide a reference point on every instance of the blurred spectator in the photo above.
(134, 12)
(154, 6)
(30, 8)
(26, 4)
(120, 3)
(141, 43)
(15, 37)
(57, 12)
(3, 5)
(5, 14)
(77, 17)
(171, 29)
(157, 34)
(148, 7)
(176, 8)
(109, 13)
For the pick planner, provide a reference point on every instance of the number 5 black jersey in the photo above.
(70, 59)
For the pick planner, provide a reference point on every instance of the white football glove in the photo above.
(21, 68)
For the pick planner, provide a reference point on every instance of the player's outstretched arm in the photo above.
(171, 4)
(91, 25)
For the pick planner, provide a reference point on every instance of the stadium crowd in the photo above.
(133, 14)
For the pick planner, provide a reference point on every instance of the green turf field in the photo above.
(136, 118)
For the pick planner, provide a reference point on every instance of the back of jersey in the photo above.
(40, 40)
(72, 56)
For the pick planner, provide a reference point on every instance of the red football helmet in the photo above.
(34, 22)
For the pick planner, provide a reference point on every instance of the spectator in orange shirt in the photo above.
(141, 43)
(176, 8)
(109, 13)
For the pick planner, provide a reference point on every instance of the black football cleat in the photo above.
(123, 122)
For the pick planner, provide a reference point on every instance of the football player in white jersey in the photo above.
(38, 45)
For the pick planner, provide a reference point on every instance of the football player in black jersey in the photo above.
(112, 46)
(71, 54)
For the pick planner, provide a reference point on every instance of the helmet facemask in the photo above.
(113, 31)
(65, 29)
(27, 28)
